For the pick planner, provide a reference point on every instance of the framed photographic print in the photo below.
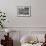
(23, 11)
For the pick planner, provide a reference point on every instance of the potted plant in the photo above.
(2, 19)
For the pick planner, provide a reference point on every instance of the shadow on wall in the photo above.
(16, 43)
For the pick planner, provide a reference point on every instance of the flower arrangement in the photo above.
(2, 19)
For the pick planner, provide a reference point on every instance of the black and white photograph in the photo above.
(23, 11)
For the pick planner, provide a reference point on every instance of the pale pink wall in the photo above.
(38, 13)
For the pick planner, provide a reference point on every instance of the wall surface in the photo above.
(38, 13)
